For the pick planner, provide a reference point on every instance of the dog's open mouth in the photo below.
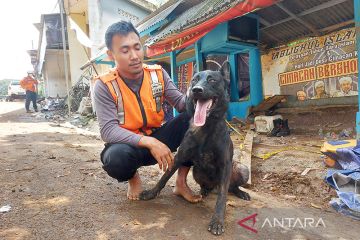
(202, 110)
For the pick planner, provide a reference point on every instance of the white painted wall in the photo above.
(77, 53)
(103, 13)
(270, 80)
(54, 77)
(270, 85)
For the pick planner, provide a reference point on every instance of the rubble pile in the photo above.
(77, 93)
(81, 121)
(56, 109)
(53, 108)
(337, 135)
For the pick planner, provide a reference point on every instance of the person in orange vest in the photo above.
(29, 83)
(128, 103)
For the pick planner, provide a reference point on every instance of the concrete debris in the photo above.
(55, 110)
(306, 171)
(81, 121)
(19, 170)
(346, 133)
(267, 175)
(321, 133)
(290, 197)
(257, 140)
(238, 121)
(51, 104)
(335, 125)
(5, 209)
(79, 97)
(232, 204)
(136, 222)
(85, 107)
(343, 134)
(315, 206)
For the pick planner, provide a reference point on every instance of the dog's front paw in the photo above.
(216, 226)
(204, 192)
(245, 196)
(148, 195)
(241, 194)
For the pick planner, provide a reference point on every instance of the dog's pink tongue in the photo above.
(200, 112)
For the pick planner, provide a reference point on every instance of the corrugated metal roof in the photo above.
(158, 11)
(160, 16)
(334, 15)
(197, 14)
(322, 16)
(273, 14)
(297, 7)
(280, 23)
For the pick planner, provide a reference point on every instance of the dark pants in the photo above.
(121, 160)
(30, 97)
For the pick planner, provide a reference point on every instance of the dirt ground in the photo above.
(52, 178)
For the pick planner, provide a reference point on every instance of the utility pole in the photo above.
(61, 6)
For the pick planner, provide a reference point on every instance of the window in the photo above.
(243, 82)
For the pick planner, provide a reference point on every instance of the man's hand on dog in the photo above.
(160, 152)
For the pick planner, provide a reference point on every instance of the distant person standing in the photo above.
(29, 83)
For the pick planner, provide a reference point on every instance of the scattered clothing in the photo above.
(342, 208)
(347, 186)
(344, 152)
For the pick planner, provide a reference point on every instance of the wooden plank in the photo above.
(246, 152)
(268, 103)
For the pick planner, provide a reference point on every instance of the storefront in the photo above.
(286, 48)
(208, 43)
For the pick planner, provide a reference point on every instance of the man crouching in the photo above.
(128, 102)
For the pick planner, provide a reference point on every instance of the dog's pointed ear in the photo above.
(225, 71)
(195, 71)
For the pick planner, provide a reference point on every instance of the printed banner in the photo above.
(184, 75)
(315, 68)
(177, 43)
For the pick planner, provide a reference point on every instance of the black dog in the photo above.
(208, 145)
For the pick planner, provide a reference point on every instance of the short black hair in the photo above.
(121, 28)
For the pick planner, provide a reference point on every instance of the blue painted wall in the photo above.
(216, 42)
(215, 38)
(357, 29)
(256, 88)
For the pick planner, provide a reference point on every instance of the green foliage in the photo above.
(4, 83)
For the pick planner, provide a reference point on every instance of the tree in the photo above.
(4, 83)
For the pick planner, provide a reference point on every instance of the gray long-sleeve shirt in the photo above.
(106, 110)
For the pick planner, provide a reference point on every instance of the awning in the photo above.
(100, 58)
(198, 21)
(157, 19)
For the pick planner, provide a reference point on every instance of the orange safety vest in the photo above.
(28, 83)
(138, 112)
